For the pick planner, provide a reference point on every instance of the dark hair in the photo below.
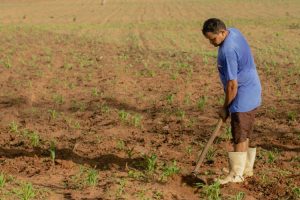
(213, 25)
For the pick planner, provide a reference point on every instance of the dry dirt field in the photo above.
(114, 99)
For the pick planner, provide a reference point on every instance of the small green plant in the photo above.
(201, 103)
(92, 177)
(58, 99)
(296, 192)
(211, 154)
(2, 180)
(137, 175)
(121, 188)
(189, 150)
(187, 99)
(272, 156)
(53, 113)
(120, 145)
(151, 162)
(26, 192)
(95, 92)
(52, 151)
(129, 152)
(227, 135)
(136, 120)
(34, 138)
(211, 192)
(181, 114)
(292, 116)
(123, 115)
(239, 196)
(157, 195)
(13, 127)
(170, 98)
(169, 171)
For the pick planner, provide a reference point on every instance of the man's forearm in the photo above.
(230, 92)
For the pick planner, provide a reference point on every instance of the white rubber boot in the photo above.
(251, 154)
(237, 162)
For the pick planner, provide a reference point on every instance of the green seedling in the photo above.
(92, 177)
(120, 145)
(34, 138)
(211, 154)
(137, 175)
(169, 171)
(13, 127)
(2, 180)
(170, 98)
(201, 103)
(130, 152)
(181, 114)
(95, 92)
(151, 162)
(26, 192)
(239, 196)
(296, 192)
(292, 116)
(187, 99)
(53, 114)
(123, 115)
(157, 195)
(211, 192)
(52, 151)
(121, 188)
(189, 150)
(58, 99)
(136, 120)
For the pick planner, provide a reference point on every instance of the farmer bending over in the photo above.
(242, 89)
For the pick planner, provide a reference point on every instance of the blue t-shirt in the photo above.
(235, 62)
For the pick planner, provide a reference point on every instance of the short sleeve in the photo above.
(231, 60)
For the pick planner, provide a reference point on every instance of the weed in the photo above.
(121, 188)
(120, 145)
(92, 177)
(123, 115)
(58, 99)
(296, 192)
(187, 99)
(181, 114)
(151, 162)
(170, 98)
(53, 114)
(52, 151)
(292, 116)
(211, 154)
(169, 171)
(272, 156)
(189, 150)
(136, 120)
(227, 135)
(157, 195)
(201, 103)
(239, 196)
(2, 180)
(26, 192)
(211, 192)
(137, 175)
(13, 127)
(34, 138)
(130, 152)
(95, 92)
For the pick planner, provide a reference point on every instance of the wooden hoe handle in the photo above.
(202, 154)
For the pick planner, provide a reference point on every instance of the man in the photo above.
(242, 89)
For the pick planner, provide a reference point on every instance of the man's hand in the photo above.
(223, 113)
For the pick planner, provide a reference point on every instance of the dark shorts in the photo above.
(242, 125)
